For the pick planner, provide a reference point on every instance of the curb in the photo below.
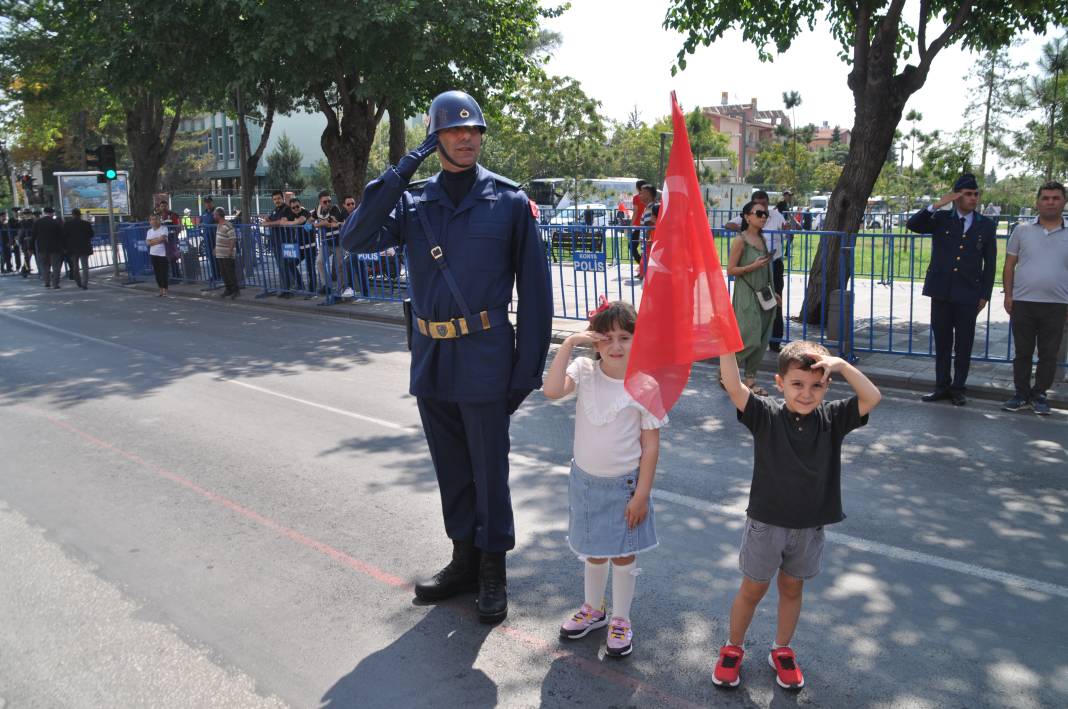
(883, 377)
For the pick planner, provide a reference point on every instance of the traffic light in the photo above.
(107, 161)
(102, 159)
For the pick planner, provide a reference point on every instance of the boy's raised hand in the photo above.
(830, 365)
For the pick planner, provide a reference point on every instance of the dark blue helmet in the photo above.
(454, 108)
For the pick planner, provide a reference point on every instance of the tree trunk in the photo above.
(250, 159)
(879, 98)
(398, 135)
(347, 145)
(148, 149)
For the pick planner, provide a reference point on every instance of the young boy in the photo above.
(796, 490)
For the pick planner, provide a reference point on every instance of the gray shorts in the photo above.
(767, 548)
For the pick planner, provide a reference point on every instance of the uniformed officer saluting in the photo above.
(469, 236)
(959, 280)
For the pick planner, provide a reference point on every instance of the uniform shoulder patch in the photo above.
(533, 208)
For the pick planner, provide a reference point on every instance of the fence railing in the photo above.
(874, 304)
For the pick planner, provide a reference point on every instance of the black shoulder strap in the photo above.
(439, 260)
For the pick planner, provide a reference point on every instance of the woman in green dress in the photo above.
(750, 264)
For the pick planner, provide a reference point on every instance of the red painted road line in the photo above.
(532, 641)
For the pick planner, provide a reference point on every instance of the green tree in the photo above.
(633, 150)
(992, 102)
(825, 176)
(1041, 145)
(372, 56)
(320, 175)
(69, 50)
(548, 127)
(283, 166)
(890, 59)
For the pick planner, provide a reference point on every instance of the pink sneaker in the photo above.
(620, 638)
(585, 619)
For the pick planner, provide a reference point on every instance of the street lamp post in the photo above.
(663, 135)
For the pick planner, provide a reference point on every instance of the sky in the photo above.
(621, 54)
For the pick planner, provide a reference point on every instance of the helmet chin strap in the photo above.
(448, 157)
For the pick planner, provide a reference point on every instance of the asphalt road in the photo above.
(216, 504)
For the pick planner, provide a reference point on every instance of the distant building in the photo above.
(303, 130)
(825, 134)
(746, 127)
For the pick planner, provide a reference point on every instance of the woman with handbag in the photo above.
(754, 298)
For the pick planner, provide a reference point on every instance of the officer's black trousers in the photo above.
(469, 447)
(954, 333)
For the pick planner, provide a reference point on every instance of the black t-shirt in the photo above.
(797, 461)
(304, 235)
(278, 233)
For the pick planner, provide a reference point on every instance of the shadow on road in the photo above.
(430, 665)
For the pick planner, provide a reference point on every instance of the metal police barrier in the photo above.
(132, 238)
(287, 261)
(379, 276)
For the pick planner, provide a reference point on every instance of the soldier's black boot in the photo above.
(459, 576)
(492, 588)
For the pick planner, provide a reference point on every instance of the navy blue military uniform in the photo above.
(464, 384)
(961, 273)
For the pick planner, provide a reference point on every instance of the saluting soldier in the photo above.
(470, 236)
(959, 280)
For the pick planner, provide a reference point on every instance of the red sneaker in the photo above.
(787, 672)
(728, 666)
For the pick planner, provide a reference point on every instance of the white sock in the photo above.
(623, 581)
(596, 582)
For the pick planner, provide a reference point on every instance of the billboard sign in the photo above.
(81, 190)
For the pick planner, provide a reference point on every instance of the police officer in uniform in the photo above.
(469, 236)
(959, 280)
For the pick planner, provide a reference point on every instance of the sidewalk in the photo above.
(987, 380)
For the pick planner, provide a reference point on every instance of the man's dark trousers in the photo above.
(51, 267)
(954, 333)
(469, 447)
(1041, 324)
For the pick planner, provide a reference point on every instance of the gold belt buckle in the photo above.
(442, 330)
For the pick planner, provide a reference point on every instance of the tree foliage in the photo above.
(548, 127)
(283, 166)
(890, 57)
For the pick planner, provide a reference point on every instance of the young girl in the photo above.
(616, 447)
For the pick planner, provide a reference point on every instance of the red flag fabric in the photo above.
(685, 313)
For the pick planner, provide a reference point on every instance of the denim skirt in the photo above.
(597, 523)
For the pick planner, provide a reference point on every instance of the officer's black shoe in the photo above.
(492, 588)
(459, 576)
(958, 398)
(937, 395)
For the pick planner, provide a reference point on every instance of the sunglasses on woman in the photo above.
(760, 213)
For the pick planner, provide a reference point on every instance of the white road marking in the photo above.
(340, 412)
(864, 545)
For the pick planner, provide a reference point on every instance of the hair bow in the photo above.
(602, 305)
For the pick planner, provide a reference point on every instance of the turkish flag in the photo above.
(685, 313)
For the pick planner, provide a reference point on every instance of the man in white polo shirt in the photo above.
(1036, 296)
(775, 241)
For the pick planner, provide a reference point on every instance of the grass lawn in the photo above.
(877, 256)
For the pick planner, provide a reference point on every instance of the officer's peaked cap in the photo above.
(452, 109)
